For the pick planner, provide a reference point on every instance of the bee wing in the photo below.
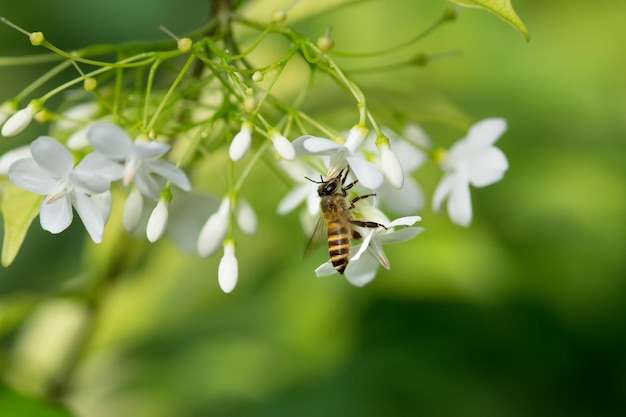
(318, 236)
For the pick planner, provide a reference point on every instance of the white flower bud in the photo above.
(246, 218)
(157, 221)
(390, 165)
(283, 146)
(228, 270)
(214, 230)
(132, 210)
(240, 145)
(6, 110)
(18, 121)
(356, 136)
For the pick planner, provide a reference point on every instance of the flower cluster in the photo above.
(119, 140)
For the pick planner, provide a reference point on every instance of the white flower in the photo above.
(305, 190)
(391, 167)
(157, 222)
(283, 147)
(19, 121)
(7, 158)
(366, 172)
(214, 230)
(228, 270)
(118, 157)
(51, 172)
(240, 145)
(367, 257)
(472, 160)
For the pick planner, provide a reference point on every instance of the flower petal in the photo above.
(488, 168)
(325, 270)
(401, 235)
(316, 144)
(443, 190)
(110, 139)
(27, 174)
(90, 215)
(102, 165)
(9, 157)
(368, 174)
(407, 200)
(51, 156)
(170, 172)
(55, 217)
(149, 149)
(89, 182)
(361, 272)
(460, 204)
(147, 185)
(404, 221)
(486, 132)
(294, 198)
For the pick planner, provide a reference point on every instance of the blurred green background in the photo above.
(521, 314)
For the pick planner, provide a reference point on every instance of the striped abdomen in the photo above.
(339, 244)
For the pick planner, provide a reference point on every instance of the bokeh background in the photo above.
(521, 314)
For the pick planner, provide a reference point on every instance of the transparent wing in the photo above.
(318, 237)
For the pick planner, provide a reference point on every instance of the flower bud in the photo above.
(257, 77)
(356, 136)
(90, 84)
(184, 44)
(246, 218)
(228, 270)
(36, 38)
(283, 146)
(214, 230)
(19, 121)
(390, 166)
(132, 210)
(240, 145)
(279, 16)
(325, 43)
(6, 110)
(157, 221)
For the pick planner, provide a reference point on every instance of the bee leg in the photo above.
(359, 197)
(356, 235)
(369, 225)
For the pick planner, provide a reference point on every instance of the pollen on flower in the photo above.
(36, 38)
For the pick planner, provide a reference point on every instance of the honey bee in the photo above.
(335, 209)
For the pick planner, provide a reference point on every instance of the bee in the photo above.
(335, 209)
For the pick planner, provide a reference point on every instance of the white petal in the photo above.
(18, 121)
(284, 148)
(405, 221)
(407, 200)
(488, 168)
(90, 215)
(149, 149)
(103, 202)
(55, 217)
(409, 156)
(26, 173)
(417, 135)
(316, 144)
(391, 167)
(7, 158)
(110, 139)
(246, 218)
(228, 270)
(170, 172)
(361, 272)
(294, 198)
(89, 182)
(460, 204)
(368, 174)
(214, 230)
(401, 235)
(157, 221)
(147, 185)
(375, 249)
(443, 190)
(78, 139)
(325, 269)
(486, 132)
(363, 246)
(240, 145)
(132, 210)
(313, 203)
(51, 156)
(102, 165)
(356, 136)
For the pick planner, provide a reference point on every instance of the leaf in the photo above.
(19, 207)
(501, 8)
(13, 403)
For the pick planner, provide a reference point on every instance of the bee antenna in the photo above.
(317, 182)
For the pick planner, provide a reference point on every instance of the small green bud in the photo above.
(257, 77)
(449, 15)
(249, 104)
(325, 43)
(279, 16)
(36, 38)
(185, 44)
(90, 84)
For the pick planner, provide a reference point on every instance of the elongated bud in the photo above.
(246, 218)
(19, 121)
(356, 136)
(214, 230)
(157, 221)
(228, 270)
(184, 44)
(240, 145)
(6, 110)
(390, 165)
(132, 210)
(283, 146)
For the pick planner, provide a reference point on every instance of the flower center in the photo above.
(60, 189)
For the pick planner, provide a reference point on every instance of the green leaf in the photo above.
(19, 207)
(501, 8)
(13, 403)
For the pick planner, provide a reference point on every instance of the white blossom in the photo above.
(228, 270)
(214, 230)
(50, 172)
(240, 145)
(19, 121)
(118, 157)
(472, 160)
(157, 222)
(7, 158)
(283, 146)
